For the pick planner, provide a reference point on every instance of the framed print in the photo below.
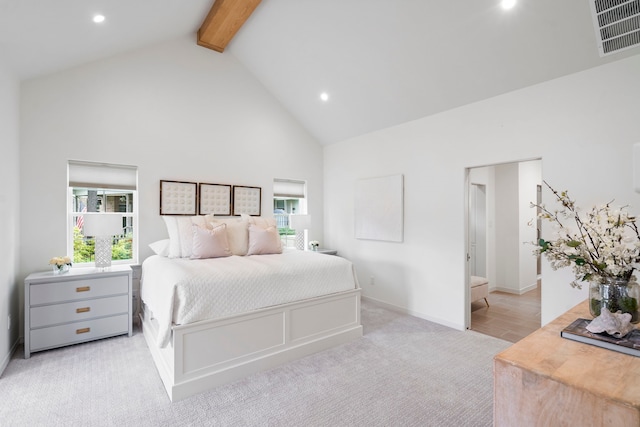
(178, 198)
(379, 208)
(214, 199)
(246, 200)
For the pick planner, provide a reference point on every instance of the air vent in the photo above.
(617, 24)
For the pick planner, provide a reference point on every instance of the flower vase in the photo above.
(60, 269)
(314, 248)
(617, 294)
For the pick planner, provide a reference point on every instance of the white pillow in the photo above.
(161, 247)
(181, 235)
(237, 233)
(210, 243)
(174, 236)
(263, 241)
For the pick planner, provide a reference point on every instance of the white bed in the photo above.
(211, 321)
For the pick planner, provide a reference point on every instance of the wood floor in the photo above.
(509, 317)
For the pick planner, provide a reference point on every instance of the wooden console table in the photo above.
(546, 380)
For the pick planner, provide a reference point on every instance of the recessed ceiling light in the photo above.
(324, 96)
(98, 19)
(508, 4)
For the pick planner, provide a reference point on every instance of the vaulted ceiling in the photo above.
(381, 62)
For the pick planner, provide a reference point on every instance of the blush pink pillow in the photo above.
(263, 241)
(210, 243)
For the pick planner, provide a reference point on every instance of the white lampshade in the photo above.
(102, 225)
(299, 222)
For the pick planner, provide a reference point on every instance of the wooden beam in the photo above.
(223, 21)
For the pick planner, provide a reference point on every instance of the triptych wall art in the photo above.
(192, 198)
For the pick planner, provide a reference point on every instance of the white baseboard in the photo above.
(7, 358)
(413, 313)
(515, 291)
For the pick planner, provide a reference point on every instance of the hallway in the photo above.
(510, 317)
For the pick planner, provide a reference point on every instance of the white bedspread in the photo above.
(181, 291)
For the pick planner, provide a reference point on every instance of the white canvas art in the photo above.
(247, 200)
(215, 199)
(178, 198)
(379, 208)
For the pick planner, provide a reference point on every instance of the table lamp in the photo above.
(102, 227)
(300, 223)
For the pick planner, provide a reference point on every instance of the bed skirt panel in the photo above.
(210, 353)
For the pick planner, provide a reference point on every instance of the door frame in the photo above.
(466, 192)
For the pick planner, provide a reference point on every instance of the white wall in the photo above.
(582, 126)
(9, 214)
(507, 217)
(516, 188)
(176, 110)
(485, 175)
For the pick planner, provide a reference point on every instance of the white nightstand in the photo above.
(82, 305)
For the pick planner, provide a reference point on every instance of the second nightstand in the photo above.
(327, 251)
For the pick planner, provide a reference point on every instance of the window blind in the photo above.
(102, 175)
(289, 188)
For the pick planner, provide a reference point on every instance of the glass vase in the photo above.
(617, 294)
(60, 269)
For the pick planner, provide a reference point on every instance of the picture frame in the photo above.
(178, 197)
(214, 199)
(247, 200)
(379, 208)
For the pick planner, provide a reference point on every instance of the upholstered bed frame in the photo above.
(206, 354)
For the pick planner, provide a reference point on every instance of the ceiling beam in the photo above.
(223, 21)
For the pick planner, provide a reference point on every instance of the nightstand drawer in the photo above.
(80, 310)
(71, 290)
(72, 333)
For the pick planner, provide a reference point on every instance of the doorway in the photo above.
(501, 225)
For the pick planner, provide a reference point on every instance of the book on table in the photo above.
(577, 331)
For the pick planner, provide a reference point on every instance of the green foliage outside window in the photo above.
(286, 231)
(84, 249)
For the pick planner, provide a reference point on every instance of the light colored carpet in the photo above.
(404, 372)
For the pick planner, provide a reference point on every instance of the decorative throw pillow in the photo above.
(180, 233)
(261, 221)
(201, 221)
(237, 234)
(263, 241)
(209, 243)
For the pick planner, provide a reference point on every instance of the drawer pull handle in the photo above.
(83, 289)
(83, 330)
(83, 309)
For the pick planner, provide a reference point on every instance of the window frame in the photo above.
(108, 187)
(298, 194)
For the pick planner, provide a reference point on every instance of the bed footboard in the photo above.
(210, 353)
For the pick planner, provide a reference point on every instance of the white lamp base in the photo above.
(300, 241)
(103, 252)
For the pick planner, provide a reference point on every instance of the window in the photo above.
(289, 197)
(99, 189)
